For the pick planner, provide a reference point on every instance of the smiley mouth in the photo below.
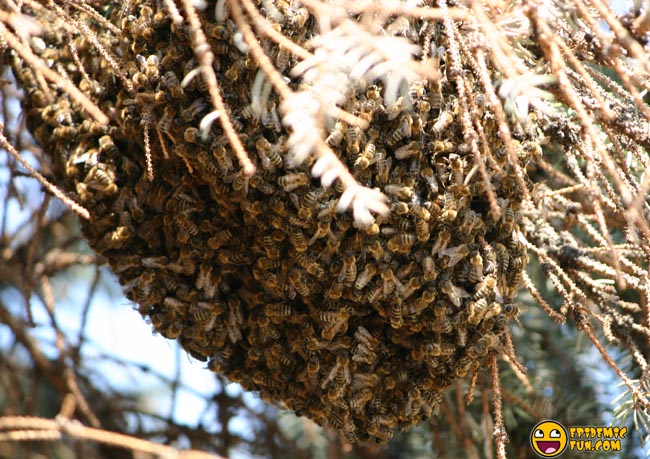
(548, 447)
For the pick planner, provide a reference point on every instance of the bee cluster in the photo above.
(260, 276)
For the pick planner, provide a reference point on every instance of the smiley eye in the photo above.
(555, 433)
(539, 433)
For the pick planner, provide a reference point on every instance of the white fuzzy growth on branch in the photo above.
(348, 56)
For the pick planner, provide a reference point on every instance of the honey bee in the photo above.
(193, 110)
(485, 289)
(170, 82)
(335, 291)
(107, 146)
(381, 433)
(493, 310)
(450, 209)
(365, 276)
(399, 208)
(348, 273)
(445, 118)
(454, 293)
(360, 399)
(476, 311)
(454, 254)
(422, 230)
(476, 267)
(401, 192)
(508, 220)
(352, 135)
(383, 169)
(393, 110)
(403, 130)
(335, 137)
(297, 282)
(277, 310)
(101, 177)
(429, 269)
(456, 166)
(442, 324)
(365, 158)
(298, 241)
(401, 243)
(412, 148)
(428, 296)
(511, 310)
(443, 146)
(412, 407)
(165, 122)
(340, 372)
(463, 367)
(290, 182)
(396, 314)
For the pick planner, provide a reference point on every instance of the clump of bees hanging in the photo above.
(360, 325)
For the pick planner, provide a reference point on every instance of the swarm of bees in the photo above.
(260, 276)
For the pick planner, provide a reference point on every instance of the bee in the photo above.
(399, 208)
(443, 146)
(149, 66)
(442, 323)
(454, 293)
(217, 31)
(297, 282)
(170, 82)
(335, 137)
(360, 399)
(485, 289)
(381, 433)
(393, 110)
(493, 310)
(193, 110)
(352, 135)
(454, 254)
(64, 132)
(401, 192)
(412, 407)
(290, 182)
(429, 269)
(403, 130)
(422, 229)
(101, 177)
(508, 220)
(456, 166)
(166, 120)
(412, 148)
(476, 311)
(383, 169)
(511, 310)
(340, 372)
(335, 291)
(365, 158)
(348, 273)
(298, 241)
(463, 367)
(401, 243)
(476, 267)
(277, 310)
(396, 314)
(270, 118)
(365, 276)
(445, 118)
(192, 135)
(450, 209)
(297, 17)
(428, 296)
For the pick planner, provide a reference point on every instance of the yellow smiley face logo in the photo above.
(548, 438)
